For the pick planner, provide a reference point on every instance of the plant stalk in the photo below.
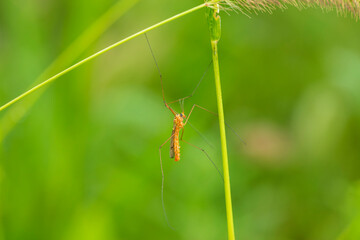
(229, 213)
(44, 83)
(214, 22)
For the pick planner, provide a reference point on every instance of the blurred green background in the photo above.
(83, 163)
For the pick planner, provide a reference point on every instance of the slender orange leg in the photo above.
(162, 182)
(162, 84)
(192, 109)
(161, 79)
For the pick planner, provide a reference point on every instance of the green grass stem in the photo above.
(80, 44)
(229, 213)
(51, 79)
(214, 23)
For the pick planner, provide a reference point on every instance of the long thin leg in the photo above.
(162, 183)
(193, 92)
(162, 84)
(208, 157)
(201, 135)
(195, 105)
(161, 79)
(203, 150)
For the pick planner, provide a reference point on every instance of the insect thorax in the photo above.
(179, 121)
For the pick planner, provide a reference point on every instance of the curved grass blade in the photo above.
(89, 36)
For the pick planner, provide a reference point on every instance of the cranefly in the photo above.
(179, 122)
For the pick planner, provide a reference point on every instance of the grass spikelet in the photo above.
(342, 7)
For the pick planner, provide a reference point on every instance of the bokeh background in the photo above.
(83, 163)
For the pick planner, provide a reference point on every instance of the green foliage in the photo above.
(83, 164)
(352, 231)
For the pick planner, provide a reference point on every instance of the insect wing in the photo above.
(172, 153)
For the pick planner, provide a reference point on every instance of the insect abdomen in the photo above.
(176, 145)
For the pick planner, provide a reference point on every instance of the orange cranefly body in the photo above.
(178, 125)
(176, 144)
